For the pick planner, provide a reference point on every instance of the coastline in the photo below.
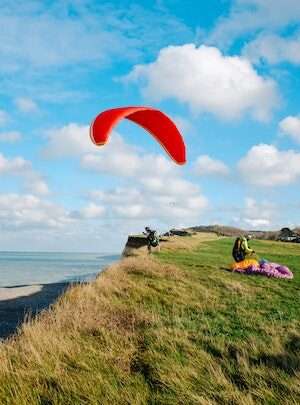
(10, 293)
(17, 303)
(162, 320)
(20, 302)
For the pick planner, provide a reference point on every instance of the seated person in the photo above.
(241, 249)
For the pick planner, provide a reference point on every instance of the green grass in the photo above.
(179, 329)
(250, 325)
(263, 299)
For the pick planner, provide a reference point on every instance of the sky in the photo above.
(226, 72)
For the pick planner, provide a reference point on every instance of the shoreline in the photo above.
(17, 302)
(20, 302)
(10, 293)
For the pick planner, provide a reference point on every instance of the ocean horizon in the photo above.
(19, 268)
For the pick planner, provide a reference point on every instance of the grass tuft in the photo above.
(170, 328)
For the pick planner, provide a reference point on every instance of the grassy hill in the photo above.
(176, 328)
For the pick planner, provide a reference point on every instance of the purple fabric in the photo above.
(269, 270)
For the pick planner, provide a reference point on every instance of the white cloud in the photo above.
(156, 189)
(206, 166)
(274, 49)
(258, 215)
(92, 211)
(60, 34)
(47, 41)
(26, 105)
(4, 117)
(248, 16)
(120, 159)
(183, 124)
(128, 196)
(290, 126)
(180, 203)
(131, 211)
(10, 136)
(115, 158)
(206, 80)
(30, 223)
(36, 184)
(20, 167)
(266, 166)
(16, 165)
(29, 211)
(257, 222)
(68, 141)
(170, 186)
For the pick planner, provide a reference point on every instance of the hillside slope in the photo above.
(176, 328)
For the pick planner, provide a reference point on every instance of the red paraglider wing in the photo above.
(154, 121)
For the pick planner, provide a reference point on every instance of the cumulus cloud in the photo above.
(10, 136)
(21, 167)
(274, 49)
(36, 184)
(207, 81)
(248, 16)
(168, 200)
(16, 165)
(26, 105)
(29, 211)
(126, 195)
(68, 141)
(170, 207)
(258, 214)
(33, 222)
(157, 188)
(266, 166)
(90, 211)
(207, 166)
(117, 158)
(290, 126)
(121, 159)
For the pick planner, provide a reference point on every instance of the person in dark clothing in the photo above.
(152, 238)
(241, 249)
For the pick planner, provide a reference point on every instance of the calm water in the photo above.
(22, 268)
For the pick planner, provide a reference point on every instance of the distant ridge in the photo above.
(232, 231)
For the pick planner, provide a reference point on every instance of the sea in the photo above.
(26, 268)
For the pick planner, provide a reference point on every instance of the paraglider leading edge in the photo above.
(155, 122)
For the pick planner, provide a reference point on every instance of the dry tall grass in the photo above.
(85, 346)
(147, 331)
(172, 243)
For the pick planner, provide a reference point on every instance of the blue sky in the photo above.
(227, 72)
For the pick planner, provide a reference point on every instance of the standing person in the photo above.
(152, 238)
(241, 248)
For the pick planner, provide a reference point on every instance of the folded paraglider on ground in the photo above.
(263, 267)
(246, 265)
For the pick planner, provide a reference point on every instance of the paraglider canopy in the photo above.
(159, 125)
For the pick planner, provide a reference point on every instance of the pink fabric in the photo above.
(269, 270)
